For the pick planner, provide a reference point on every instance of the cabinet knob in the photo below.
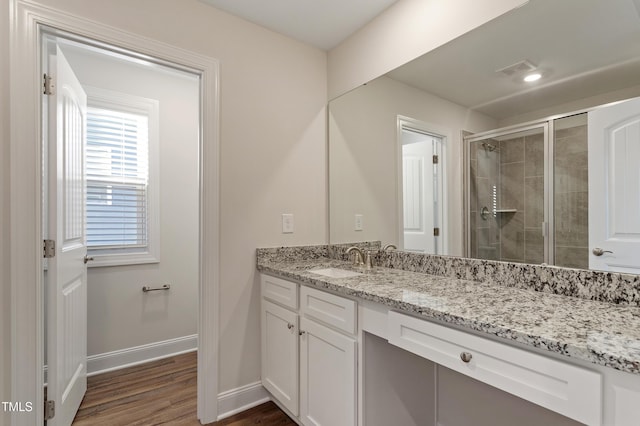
(290, 326)
(465, 356)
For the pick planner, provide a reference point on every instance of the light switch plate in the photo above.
(287, 223)
(359, 222)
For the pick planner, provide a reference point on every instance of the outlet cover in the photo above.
(287, 223)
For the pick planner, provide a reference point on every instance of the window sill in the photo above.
(105, 260)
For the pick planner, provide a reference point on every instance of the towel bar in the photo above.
(147, 289)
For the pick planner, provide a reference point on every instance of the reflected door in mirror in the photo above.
(421, 191)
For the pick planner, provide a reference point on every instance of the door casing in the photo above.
(28, 20)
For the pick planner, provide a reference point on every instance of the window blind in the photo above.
(117, 175)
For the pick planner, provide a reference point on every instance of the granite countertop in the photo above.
(598, 332)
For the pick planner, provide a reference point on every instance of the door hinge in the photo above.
(435, 159)
(436, 232)
(49, 409)
(49, 248)
(49, 85)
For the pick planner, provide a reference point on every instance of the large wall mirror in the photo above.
(455, 153)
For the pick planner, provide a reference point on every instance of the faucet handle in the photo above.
(368, 260)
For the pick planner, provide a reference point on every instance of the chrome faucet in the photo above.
(389, 247)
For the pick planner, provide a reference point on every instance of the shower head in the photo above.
(489, 147)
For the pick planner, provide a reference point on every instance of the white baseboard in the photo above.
(123, 358)
(237, 400)
(111, 361)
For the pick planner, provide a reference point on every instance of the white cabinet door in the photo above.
(280, 354)
(327, 376)
(622, 398)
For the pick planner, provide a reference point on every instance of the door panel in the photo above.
(280, 354)
(67, 292)
(614, 187)
(327, 376)
(420, 192)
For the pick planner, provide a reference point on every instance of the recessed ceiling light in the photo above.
(532, 77)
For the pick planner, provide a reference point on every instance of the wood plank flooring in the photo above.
(161, 392)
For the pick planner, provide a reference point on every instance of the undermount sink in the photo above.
(335, 273)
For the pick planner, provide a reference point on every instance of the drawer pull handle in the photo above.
(290, 326)
(301, 332)
(465, 356)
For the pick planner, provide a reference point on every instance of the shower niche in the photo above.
(526, 193)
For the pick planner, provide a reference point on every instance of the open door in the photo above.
(66, 321)
(421, 191)
(614, 187)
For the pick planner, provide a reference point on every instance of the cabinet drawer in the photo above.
(328, 308)
(561, 387)
(280, 291)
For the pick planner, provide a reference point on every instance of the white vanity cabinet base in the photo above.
(561, 387)
(327, 376)
(280, 354)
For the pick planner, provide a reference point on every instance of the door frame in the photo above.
(27, 324)
(444, 135)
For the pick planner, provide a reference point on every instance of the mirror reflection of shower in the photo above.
(508, 208)
(489, 147)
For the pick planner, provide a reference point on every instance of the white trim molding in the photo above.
(129, 357)
(235, 401)
(123, 358)
(28, 21)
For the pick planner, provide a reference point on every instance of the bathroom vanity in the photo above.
(352, 347)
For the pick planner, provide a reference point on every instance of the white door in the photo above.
(420, 192)
(280, 354)
(327, 376)
(67, 273)
(614, 187)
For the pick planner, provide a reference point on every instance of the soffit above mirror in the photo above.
(582, 48)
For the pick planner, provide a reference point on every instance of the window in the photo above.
(121, 166)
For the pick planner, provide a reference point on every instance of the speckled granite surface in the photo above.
(592, 285)
(601, 333)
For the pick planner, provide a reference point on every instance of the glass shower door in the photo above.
(506, 195)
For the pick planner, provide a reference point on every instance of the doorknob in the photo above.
(86, 259)
(599, 252)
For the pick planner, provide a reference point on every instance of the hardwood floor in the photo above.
(159, 393)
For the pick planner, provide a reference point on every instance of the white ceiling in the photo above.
(582, 48)
(320, 23)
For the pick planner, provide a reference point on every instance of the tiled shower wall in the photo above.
(522, 188)
(511, 177)
(484, 178)
(571, 197)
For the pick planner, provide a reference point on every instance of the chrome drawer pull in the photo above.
(465, 356)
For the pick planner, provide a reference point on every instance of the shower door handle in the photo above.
(599, 252)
